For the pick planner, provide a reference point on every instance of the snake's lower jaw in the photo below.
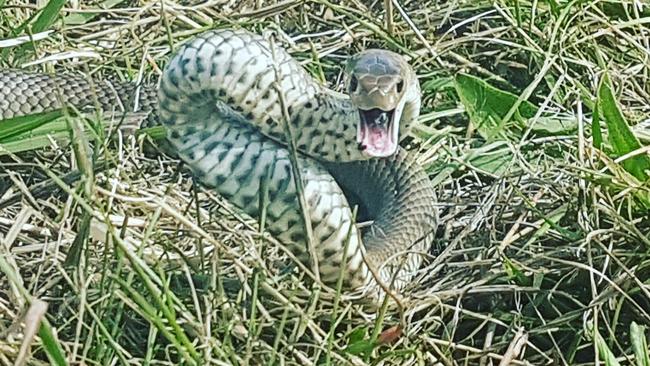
(377, 133)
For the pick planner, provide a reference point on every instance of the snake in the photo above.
(247, 118)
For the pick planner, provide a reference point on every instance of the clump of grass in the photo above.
(538, 157)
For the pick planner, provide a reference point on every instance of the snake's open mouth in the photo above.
(377, 132)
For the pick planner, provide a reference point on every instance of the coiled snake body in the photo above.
(221, 99)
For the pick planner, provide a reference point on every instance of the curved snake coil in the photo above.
(219, 101)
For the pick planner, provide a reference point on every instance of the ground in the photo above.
(533, 129)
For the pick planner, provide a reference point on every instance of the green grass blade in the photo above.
(37, 136)
(606, 354)
(12, 127)
(83, 18)
(48, 15)
(51, 346)
(596, 133)
(42, 21)
(36, 131)
(639, 344)
(156, 133)
(76, 249)
(31, 143)
(619, 134)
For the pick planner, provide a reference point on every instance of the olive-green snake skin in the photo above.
(219, 99)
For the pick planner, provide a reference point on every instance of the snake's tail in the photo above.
(23, 93)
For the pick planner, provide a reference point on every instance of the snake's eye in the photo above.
(354, 83)
(400, 86)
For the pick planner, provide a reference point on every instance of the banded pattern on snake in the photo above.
(220, 98)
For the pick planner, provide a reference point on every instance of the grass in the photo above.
(534, 133)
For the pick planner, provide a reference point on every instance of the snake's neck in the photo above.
(326, 127)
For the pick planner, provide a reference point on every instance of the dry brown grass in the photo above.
(530, 259)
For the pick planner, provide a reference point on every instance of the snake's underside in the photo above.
(222, 106)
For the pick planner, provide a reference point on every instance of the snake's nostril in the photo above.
(354, 84)
(400, 86)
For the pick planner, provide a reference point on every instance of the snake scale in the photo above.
(221, 99)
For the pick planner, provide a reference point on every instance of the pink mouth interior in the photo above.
(375, 134)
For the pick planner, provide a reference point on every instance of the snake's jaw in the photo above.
(378, 131)
(379, 100)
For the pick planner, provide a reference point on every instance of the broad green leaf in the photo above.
(356, 343)
(619, 134)
(639, 344)
(361, 347)
(487, 106)
(442, 174)
(358, 335)
(495, 162)
(554, 125)
(492, 158)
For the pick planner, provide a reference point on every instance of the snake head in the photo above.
(384, 88)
